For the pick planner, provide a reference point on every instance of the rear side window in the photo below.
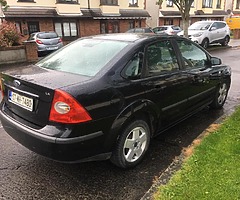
(47, 35)
(161, 58)
(221, 25)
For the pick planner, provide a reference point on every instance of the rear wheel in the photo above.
(221, 96)
(132, 144)
(225, 41)
(205, 43)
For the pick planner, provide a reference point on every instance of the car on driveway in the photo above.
(167, 29)
(140, 30)
(106, 96)
(46, 42)
(209, 32)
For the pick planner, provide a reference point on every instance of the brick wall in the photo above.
(46, 25)
(89, 27)
(31, 51)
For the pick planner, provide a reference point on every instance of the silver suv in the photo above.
(209, 32)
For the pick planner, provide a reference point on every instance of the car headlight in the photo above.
(197, 34)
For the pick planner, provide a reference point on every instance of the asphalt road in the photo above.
(25, 175)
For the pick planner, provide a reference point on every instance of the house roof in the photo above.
(51, 12)
(123, 14)
(197, 13)
(25, 12)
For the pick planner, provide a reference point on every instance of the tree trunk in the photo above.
(185, 25)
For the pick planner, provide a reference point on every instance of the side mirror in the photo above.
(213, 28)
(216, 61)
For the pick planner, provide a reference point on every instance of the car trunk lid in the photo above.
(28, 92)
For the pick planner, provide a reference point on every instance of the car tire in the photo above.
(225, 41)
(132, 145)
(220, 96)
(205, 43)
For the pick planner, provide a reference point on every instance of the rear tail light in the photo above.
(60, 40)
(39, 41)
(66, 109)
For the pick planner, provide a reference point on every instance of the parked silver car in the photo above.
(209, 32)
(167, 29)
(46, 41)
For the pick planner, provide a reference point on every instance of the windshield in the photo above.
(47, 35)
(200, 26)
(85, 57)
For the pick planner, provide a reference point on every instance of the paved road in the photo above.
(25, 175)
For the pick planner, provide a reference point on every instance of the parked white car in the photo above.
(209, 32)
(167, 29)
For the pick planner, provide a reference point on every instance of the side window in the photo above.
(134, 66)
(193, 56)
(221, 25)
(161, 58)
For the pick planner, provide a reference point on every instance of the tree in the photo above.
(9, 35)
(3, 3)
(184, 7)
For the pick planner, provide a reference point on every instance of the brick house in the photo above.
(168, 14)
(72, 19)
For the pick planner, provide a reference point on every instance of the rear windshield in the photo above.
(85, 57)
(47, 35)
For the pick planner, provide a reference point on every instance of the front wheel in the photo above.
(221, 96)
(205, 43)
(132, 144)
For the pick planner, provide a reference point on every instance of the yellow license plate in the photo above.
(20, 100)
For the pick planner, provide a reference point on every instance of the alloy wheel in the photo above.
(135, 144)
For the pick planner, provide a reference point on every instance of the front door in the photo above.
(196, 63)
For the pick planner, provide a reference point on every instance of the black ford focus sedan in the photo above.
(106, 96)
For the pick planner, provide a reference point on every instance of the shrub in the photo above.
(9, 35)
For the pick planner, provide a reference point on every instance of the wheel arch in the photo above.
(141, 109)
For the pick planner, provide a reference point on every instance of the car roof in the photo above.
(209, 21)
(127, 37)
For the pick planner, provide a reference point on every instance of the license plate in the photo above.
(52, 48)
(20, 100)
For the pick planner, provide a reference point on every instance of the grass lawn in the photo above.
(213, 170)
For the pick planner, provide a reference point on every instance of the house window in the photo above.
(25, 0)
(168, 21)
(218, 4)
(108, 2)
(18, 27)
(131, 24)
(192, 4)
(33, 27)
(169, 3)
(67, 1)
(66, 29)
(109, 27)
(238, 3)
(133, 2)
(207, 3)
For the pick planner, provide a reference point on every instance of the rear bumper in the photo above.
(77, 149)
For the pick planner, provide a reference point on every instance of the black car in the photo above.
(106, 96)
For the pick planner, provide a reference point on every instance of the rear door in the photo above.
(164, 83)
